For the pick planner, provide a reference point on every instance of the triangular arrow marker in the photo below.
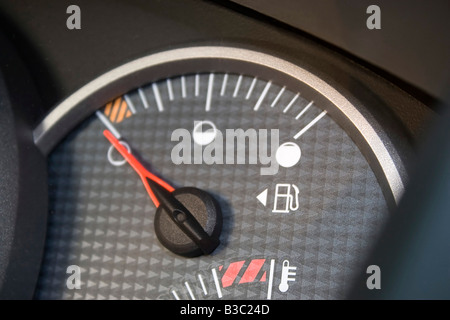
(262, 197)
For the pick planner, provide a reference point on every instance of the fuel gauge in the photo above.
(217, 173)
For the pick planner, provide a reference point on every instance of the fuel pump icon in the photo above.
(286, 198)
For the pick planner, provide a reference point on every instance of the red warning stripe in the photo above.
(250, 273)
(231, 273)
(252, 270)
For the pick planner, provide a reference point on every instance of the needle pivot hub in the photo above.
(188, 221)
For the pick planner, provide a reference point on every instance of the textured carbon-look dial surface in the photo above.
(306, 246)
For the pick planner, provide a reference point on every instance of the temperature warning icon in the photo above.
(287, 275)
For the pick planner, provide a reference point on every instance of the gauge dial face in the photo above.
(300, 203)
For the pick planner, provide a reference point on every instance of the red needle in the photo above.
(138, 167)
